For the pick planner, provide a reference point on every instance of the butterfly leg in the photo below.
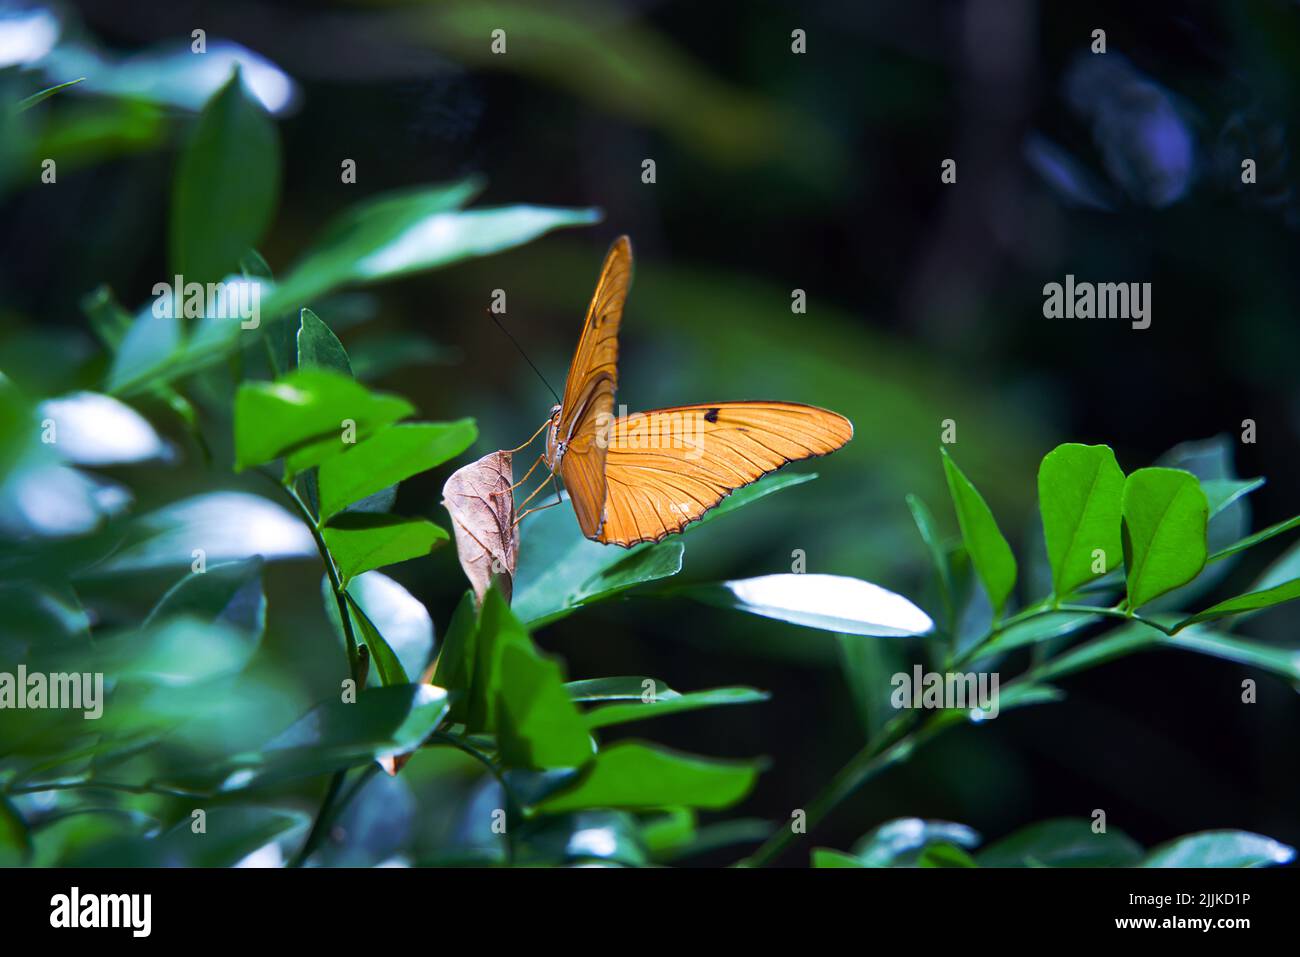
(528, 511)
(507, 491)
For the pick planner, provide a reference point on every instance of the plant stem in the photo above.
(512, 800)
(326, 812)
(896, 743)
(321, 824)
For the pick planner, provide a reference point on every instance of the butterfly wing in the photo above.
(588, 404)
(668, 467)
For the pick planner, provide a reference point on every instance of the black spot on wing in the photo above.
(711, 415)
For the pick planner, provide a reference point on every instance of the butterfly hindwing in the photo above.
(666, 468)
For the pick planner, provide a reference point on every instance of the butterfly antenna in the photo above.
(524, 354)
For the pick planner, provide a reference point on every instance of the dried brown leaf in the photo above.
(482, 509)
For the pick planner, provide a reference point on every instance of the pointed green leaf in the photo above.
(394, 454)
(304, 415)
(318, 347)
(1079, 494)
(409, 231)
(1252, 540)
(1165, 515)
(361, 541)
(538, 725)
(1251, 601)
(632, 774)
(455, 670)
(387, 664)
(670, 703)
(989, 551)
(225, 188)
(924, 520)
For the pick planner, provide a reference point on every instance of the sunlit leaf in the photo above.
(1079, 492)
(631, 774)
(829, 602)
(1165, 515)
(389, 457)
(305, 415)
(361, 541)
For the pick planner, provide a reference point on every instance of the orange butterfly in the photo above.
(642, 477)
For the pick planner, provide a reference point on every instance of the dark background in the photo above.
(819, 171)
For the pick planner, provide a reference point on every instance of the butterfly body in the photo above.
(641, 477)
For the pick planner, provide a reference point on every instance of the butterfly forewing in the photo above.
(588, 403)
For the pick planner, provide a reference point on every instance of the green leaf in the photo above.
(1252, 540)
(1222, 493)
(825, 857)
(498, 629)
(318, 347)
(560, 571)
(361, 541)
(1035, 630)
(304, 415)
(1165, 515)
(387, 458)
(400, 617)
(15, 837)
(989, 551)
(618, 688)
(1062, 842)
(1196, 638)
(1251, 601)
(1079, 494)
(455, 670)
(225, 189)
(232, 833)
(945, 855)
(924, 520)
(410, 231)
(538, 725)
(829, 602)
(752, 493)
(658, 561)
(902, 840)
(28, 102)
(381, 723)
(226, 594)
(670, 703)
(382, 656)
(632, 774)
(1220, 849)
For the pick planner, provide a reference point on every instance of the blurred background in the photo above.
(775, 171)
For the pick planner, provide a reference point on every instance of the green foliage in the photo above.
(1063, 842)
(1079, 492)
(226, 186)
(988, 549)
(1165, 517)
(334, 451)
